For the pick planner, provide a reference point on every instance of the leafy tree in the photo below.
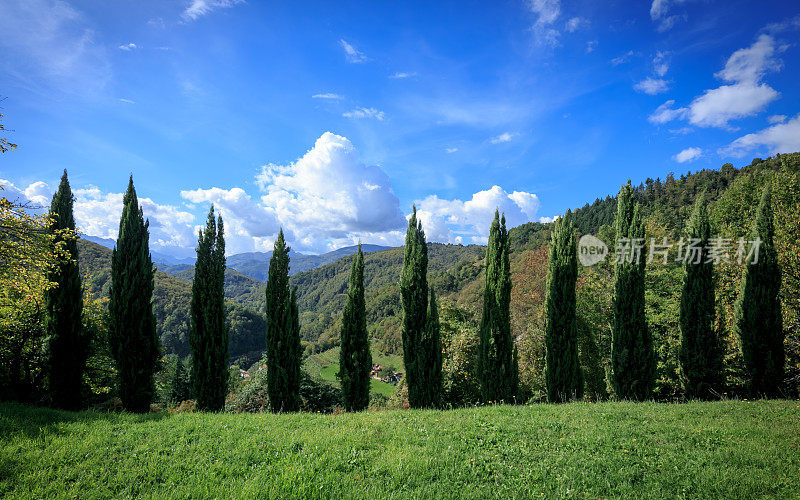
(758, 320)
(700, 352)
(68, 344)
(5, 145)
(283, 333)
(355, 360)
(496, 348)
(632, 356)
(563, 376)
(180, 387)
(132, 334)
(421, 343)
(208, 333)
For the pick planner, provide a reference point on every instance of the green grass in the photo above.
(326, 364)
(703, 450)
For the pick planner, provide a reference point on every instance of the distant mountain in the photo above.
(158, 257)
(255, 264)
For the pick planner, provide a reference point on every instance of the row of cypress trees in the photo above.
(132, 335)
(757, 321)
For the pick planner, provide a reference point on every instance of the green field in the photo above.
(326, 365)
(724, 449)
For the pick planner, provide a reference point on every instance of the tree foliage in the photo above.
(208, 333)
(632, 357)
(67, 342)
(700, 351)
(355, 360)
(758, 321)
(422, 353)
(564, 376)
(283, 334)
(496, 366)
(133, 339)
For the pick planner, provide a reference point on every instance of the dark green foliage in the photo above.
(180, 387)
(132, 332)
(355, 360)
(422, 353)
(496, 348)
(68, 343)
(701, 351)
(758, 318)
(315, 395)
(283, 334)
(563, 374)
(208, 333)
(632, 357)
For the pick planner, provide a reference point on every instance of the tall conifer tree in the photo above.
(132, 332)
(421, 344)
(208, 334)
(758, 318)
(496, 366)
(632, 357)
(355, 360)
(563, 373)
(68, 344)
(283, 333)
(701, 351)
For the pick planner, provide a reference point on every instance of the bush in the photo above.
(315, 395)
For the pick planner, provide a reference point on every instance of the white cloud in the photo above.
(249, 226)
(457, 221)
(718, 106)
(744, 96)
(128, 47)
(546, 12)
(652, 86)
(451, 150)
(688, 154)
(666, 113)
(328, 95)
(660, 63)
(681, 131)
(504, 137)
(749, 65)
(776, 119)
(47, 43)
(352, 54)
(622, 59)
(547, 220)
(575, 23)
(659, 12)
(98, 213)
(590, 46)
(364, 113)
(401, 75)
(128, 101)
(199, 8)
(779, 138)
(316, 209)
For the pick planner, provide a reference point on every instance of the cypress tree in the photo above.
(208, 335)
(632, 357)
(283, 333)
(758, 319)
(132, 329)
(432, 349)
(421, 351)
(563, 373)
(355, 360)
(180, 388)
(496, 367)
(68, 343)
(701, 351)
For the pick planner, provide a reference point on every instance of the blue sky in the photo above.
(331, 119)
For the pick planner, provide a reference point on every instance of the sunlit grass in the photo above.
(701, 450)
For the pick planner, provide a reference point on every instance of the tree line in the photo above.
(135, 347)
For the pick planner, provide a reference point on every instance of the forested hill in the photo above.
(456, 273)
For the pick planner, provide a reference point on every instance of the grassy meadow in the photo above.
(730, 449)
